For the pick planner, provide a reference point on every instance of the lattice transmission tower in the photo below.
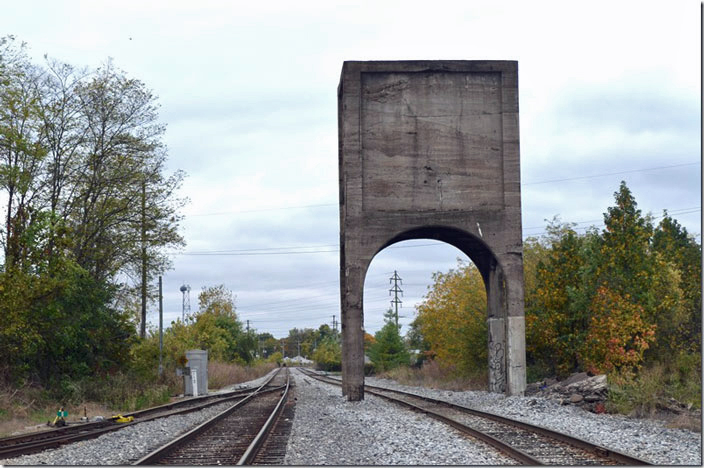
(395, 302)
(186, 305)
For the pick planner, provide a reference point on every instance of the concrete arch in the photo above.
(472, 246)
(429, 149)
(495, 284)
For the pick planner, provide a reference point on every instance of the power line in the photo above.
(319, 205)
(331, 248)
(609, 174)
(265, 250)
(673, 212)
(601, 222)
(257, 210)
(291, 252)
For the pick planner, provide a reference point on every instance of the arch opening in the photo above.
(481, 255)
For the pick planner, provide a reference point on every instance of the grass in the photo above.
(431, 375)
(668, 392)
(221, 374)
(27, 408)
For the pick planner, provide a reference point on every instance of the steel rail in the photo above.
(33, 446)
(501, 446)
(259, 440)
(161, 452)
(34, 442)
(14, 441)
(579, 443)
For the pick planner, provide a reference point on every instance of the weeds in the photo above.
(29, 405)
(433, 376)
(636, 396)
(657, 387)
(221, 374)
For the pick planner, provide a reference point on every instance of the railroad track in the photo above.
(526, 443)
(239, 435)
(25, 444)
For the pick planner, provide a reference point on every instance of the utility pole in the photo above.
(396, 289)
(299, 347)
(247, 326)
(143, 325)
(161, 328)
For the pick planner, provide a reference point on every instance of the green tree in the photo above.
(21, 153)
(328, 355)
(216, 300)
(84, 197)
(625, 264)
(123, 202)
(267, 344)
(219, 329)
(60, 326)
(555, 325)
(630, 267)
(679, 249)
(301, 341)
(388, 351)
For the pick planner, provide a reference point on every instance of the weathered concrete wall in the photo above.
(429, 149)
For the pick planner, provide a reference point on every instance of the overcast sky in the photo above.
(609, 91)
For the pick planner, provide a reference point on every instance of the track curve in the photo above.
(526, 443)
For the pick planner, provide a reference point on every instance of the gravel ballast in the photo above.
(327, 429)
(646, 439)
(126, 445)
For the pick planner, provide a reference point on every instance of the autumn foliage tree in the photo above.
(609, 300)
(452, 319)
(617, 335)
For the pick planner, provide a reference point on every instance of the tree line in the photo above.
(88, 212)
(610, 301)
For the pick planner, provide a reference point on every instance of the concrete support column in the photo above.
(497, 354)
(352, 323)
(516, 356)
(515, 326)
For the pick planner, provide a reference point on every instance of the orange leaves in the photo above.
(618, 334)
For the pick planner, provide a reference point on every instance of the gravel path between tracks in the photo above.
(329, 430)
